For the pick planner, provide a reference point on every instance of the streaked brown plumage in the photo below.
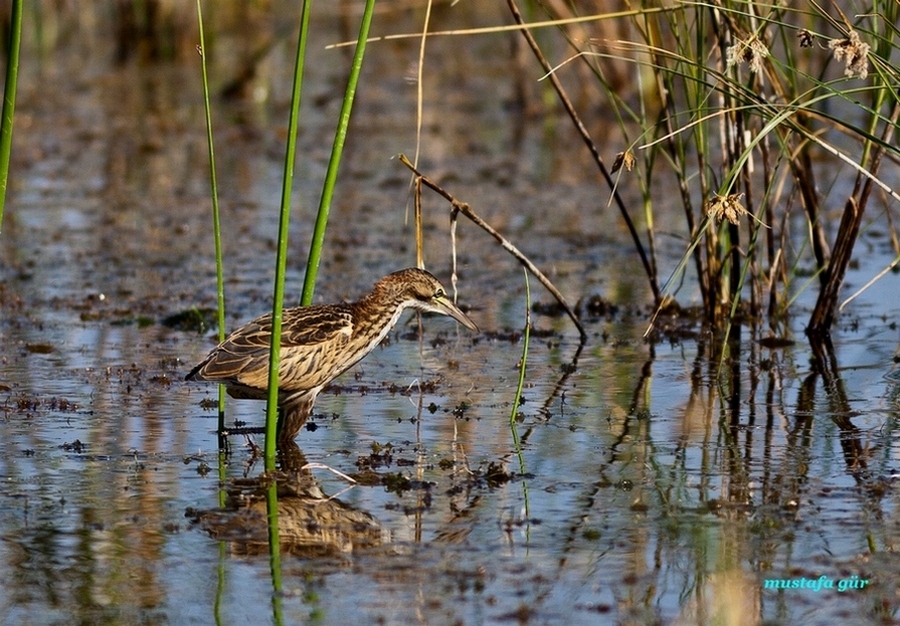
(319, 343)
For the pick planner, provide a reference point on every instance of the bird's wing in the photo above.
(308, 326)
(307, 332)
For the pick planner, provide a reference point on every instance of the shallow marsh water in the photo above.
(642, 493)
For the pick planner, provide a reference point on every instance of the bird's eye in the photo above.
(439, 293)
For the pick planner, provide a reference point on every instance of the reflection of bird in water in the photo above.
(319, 343)
(310, 524)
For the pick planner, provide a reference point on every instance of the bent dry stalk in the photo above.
(507, 245)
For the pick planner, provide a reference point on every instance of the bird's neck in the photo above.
(374, 316)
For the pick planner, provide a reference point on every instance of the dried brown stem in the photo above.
(826, 305)
(592, 147)
(420, 246)
(462, 207)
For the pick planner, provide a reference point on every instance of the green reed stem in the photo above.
(9, 99)
(517, 443)
(337, 148)
(214, 193)
(281, 257)
(274, 551)
(220, 583)
(220, 305)
(527, 335)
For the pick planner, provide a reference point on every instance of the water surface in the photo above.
(644, 488)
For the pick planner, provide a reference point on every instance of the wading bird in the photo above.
(319, 343)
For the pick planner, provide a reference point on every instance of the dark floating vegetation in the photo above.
(76, 446)
(39, 348)
(195, 319)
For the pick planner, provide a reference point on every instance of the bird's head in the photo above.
(418, 289)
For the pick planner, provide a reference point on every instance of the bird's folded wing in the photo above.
(243, 358)
(314, 325)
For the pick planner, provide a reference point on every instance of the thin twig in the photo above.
(312, 466)
(502, 28)
(871, 282)
(420, 246)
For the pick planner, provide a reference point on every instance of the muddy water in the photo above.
(638, 493)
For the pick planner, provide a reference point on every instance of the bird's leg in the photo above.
(292, 415)
(291, 457)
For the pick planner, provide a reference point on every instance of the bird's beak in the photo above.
(445, 305)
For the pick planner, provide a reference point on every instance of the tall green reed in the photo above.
(283, 227)
(526, 336)
(315, 250)
(217, 230)
(9, 99)
(337, 149)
